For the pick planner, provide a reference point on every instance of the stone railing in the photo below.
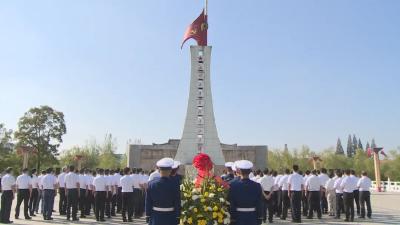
(387, 186)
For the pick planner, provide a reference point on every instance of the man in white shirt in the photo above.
(49, 184)
(34, 194)
(154, 175)
(89, 198)
(267, 185)
(324, 202)
(313, 190)
(304, 199)
(296, 187)
(101, 190)
(283, 186)
(339, 194)
(110, 184)
(277, 194)
(364, 185)
(24, 190)
(331, 194)
(41, 201)
(116, 205)
(136, 192)
(83, 192)
(356, 192)
(348, 185)
(72, 192)
(8, 192)
(62, 203)
(127, 185)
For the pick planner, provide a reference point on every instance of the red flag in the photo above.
(197, 30)
(383, 153)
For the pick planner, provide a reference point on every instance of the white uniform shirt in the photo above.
(295, 181)
(364, 184)
(356, 179)
(35, 181)
(348, 184)
(40, 183)
(7, 182)
(100, 183)
(154, 175)
(336, 185)
(283, 182)
(143, 179)
(109, 181)
(48, 182)
(71, 180)
(89, 181)
(276, 182)
(267, 183)
(127, 183)
(61, 179)
(82, 182)
(323, 178)
(329, 185)
(136, 180)
(23, 181)
(117, 178)
(313, 183)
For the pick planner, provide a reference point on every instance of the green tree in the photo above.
(373, 145)
(367, 146)
(41, 128)
(349, 147)
(339, 147)
(107, 158)
(360, 145)
(89, 152)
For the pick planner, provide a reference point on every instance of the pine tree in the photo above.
(355, 144)
(360, 146)
(339, 148)
(367, 146)
(373, 145)
(350, 147)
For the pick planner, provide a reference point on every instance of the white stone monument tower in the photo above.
(200, 132)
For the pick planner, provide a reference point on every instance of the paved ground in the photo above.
(386, 210)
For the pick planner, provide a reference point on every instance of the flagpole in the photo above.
(206, 8)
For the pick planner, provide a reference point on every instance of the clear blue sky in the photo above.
(295, 72)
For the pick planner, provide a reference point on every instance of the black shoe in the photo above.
(28, 218)
(361, 217)
(75, 219)
(8, 222)
(50, 218)
(102, 220)
(83, 216)
(346, 220)
(369, 217)
(124, 220)
(309, 217)
(282, 218)
(130, 220)
(270, 221)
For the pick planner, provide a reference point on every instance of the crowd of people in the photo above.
(334, 193)
(131, 192)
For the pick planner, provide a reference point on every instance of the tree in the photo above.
(89, 153)
(373, 145)
(5, 141)
(339, 147)
(355, 144)
(349, 147)
(41, 128)
(360, 146)
(367, 146)
(107, 158)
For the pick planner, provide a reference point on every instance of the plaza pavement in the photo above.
(385, 206)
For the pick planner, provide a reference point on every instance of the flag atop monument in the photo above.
(197, 30)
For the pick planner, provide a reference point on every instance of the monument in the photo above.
(200, 132)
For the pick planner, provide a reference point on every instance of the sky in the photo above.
(283, 72)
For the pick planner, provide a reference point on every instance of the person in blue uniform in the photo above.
(245, 197)
(163, 197)
(174, 173)
(230, 175)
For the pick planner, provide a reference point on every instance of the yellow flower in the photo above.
(206, 194)
(220, 220)
(214, 215)
(220, 215)
(190, 220)
(219, 189)
(195, 210)
(215, 208)
(202, 200)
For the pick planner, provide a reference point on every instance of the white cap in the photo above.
(229, 164)
(176, 164)
(243, 164)
(165, 163)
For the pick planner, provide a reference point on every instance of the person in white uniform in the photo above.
(364, 185)
(296, 187)
(49, 185)
(313, 190)
(339, 194)
(331, 194)
(127, 186)
(34, 194)
(267, 184)
(100, 189)
(8, 193)
(72, 189)
(24, 190)
(348, 185)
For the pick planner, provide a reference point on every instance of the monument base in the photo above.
(188, 171)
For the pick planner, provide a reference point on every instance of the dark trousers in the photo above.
(48, 203)
(314, 200)
(22, 196)
(33, 201)
(99, 198)
(108, 204)
(296, 205)
(136, 202)
(62, 204)
(339, 204)
(127, 206)
(365, 199)
(269, 205)
(6, 202)
(119, 199)
(114, 204)
(40, 199)
(304, 202)
(324, 202)
(348, 200)
(82, 201)
(277, 202)
(72, 202)
(285, 204)
(357, 200)
(89, 202)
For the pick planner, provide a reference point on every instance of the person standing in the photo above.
(136, 192)
(163, 198)
(41, 201)
(116, 205)
(296, 188)
(49, 184)
(62, 203)
(35, 193)
(364, 184)
(331, 194)
(356, 192)
(7, 196)
(283, 185)
(277, 194)
(127, 185)
(89, 198)
(313, 190)
(267, 184)
(24, 190)
(72, 193)
(304, 199)
(83, 192)
(155, 174)
(323, 176)
(339, 194)
(100, 194)
(109, 184)
(348, 185)
(229, 175)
